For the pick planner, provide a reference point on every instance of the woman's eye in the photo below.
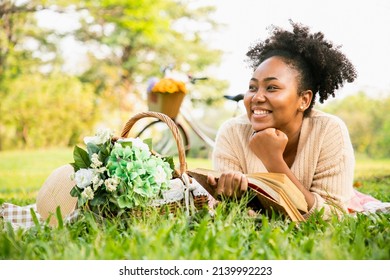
(252, 88)
(272, 88)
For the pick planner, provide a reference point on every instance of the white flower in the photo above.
(102, 136)
(83, 177)
(160, 176)
(97, 182)
(111, 184)
(87, 193)
(117, 145)
(101, 169)
(137, 142)
(95, 161)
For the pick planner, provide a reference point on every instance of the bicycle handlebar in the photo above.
(193, 80)
(236, 98)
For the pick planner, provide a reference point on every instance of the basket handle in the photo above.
(172, 126)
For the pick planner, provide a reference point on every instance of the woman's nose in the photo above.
(258, 96)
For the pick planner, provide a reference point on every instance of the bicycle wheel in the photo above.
(163, 141)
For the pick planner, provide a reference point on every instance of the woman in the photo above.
(281, 132)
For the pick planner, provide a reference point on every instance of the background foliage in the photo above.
(368, 122)
(125, 43)
(46, 101)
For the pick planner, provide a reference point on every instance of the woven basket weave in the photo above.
(199, 198)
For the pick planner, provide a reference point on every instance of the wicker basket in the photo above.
(196, 195)
(168, 104)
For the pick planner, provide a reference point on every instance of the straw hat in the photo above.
(55, 192)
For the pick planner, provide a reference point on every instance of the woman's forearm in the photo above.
(281, 167)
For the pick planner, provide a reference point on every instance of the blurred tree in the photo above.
(24, 47)
(131, 40)
(128, 42)
(45, 111)
(140, 36)
(368, 122)
(381, 143)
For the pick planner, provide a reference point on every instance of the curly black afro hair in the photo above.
(322, 66)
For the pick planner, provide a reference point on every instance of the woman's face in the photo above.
(272, 100)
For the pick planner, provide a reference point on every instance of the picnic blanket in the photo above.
(367, 204)
(21, 217)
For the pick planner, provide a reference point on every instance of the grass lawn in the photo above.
(230, 234)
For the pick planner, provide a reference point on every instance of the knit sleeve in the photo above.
(332, 183)
(225, 155)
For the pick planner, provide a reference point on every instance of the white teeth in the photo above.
(260, 112)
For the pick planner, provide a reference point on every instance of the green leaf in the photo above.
(34, 217)
(59, 218)
(149, 142)
(81, 158)
(97, 200)
(81, 201)
(92, 148)
(75, 167)
(75, 191)
(170, 161)
(126, 144)
(124, 202)
(104, 154)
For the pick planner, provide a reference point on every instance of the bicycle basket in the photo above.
(168, 104)
(183, 191)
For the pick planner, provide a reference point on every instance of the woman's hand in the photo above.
(229, 184)
(269, 145)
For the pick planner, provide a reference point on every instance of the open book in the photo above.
(273, 191)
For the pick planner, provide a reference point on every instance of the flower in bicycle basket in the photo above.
(169, 86)
(112, 176)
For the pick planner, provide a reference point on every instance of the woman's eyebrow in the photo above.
(269, 79)
(265, 79)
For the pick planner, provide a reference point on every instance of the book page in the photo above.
(281, 181)
(261, 186)
(281, 207)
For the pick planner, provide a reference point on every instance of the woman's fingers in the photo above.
(244, 183)
(211, 180)
(232, 184)
(221, 185)
(213, 183)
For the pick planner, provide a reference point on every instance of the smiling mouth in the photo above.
(261, 112)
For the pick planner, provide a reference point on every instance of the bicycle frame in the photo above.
(198, 131)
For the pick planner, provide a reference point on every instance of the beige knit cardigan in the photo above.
(324, 163)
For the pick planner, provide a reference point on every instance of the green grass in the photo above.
(230, 234)
(367, 168)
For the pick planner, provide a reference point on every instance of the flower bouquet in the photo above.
(169, 86)
(113, 177)
(166, 96)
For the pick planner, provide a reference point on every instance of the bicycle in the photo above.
(164, 143)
